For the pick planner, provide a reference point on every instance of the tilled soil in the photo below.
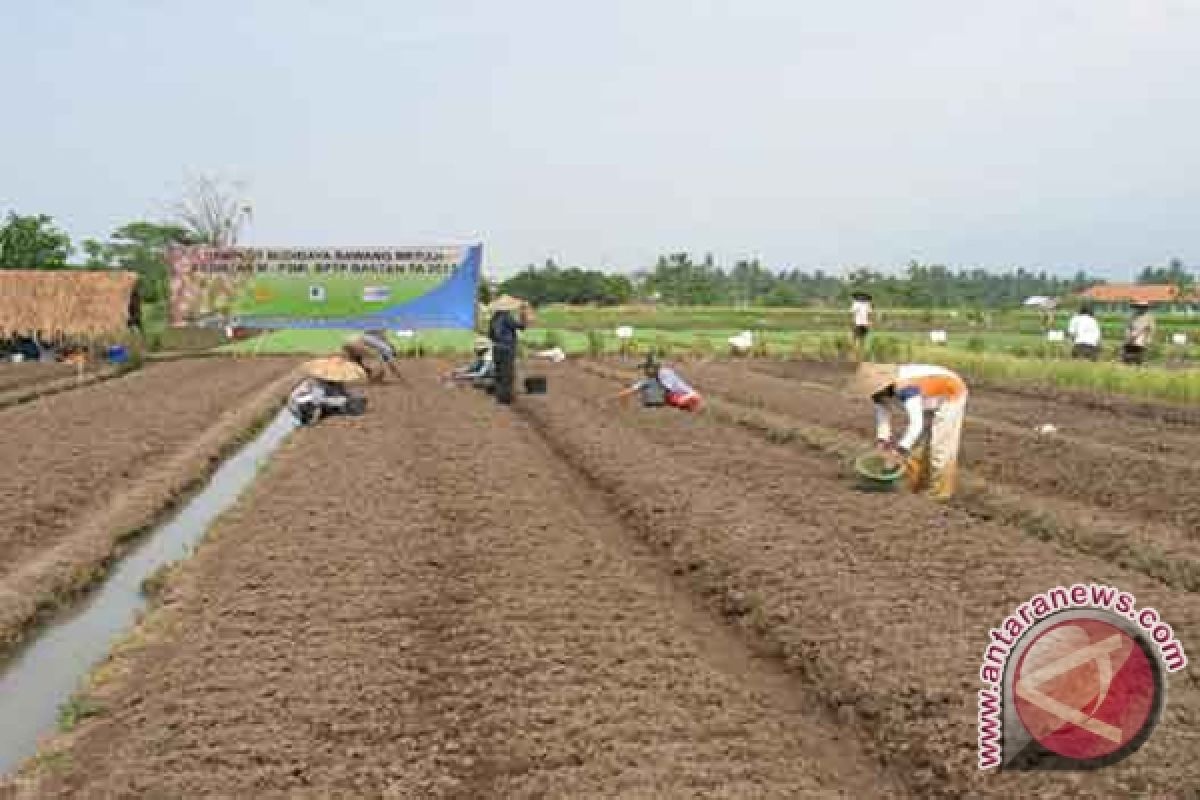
(425, 602)
(576, 598)
(880, 602)
(15, 376)
(1090, 459)
(67, 454)
(1152, 428)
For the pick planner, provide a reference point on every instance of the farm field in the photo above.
(444, 598)
(88, 466)
(1011, 358)
(1129, 464)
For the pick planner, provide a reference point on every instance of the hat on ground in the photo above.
(871, 379)
(336, 369)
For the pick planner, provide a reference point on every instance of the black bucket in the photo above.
(535, 384)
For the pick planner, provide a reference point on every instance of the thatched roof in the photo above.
(65, 302)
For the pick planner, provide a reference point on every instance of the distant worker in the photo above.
(860, 310)
(509, 316)
(372, 345)
(1084, 331)
(1049, 313)
(928, 448)
(663, 386)
(1139, 334)
(482, 369)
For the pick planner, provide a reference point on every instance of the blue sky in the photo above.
(1037, 133)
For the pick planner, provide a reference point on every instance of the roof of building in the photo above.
(67, 302)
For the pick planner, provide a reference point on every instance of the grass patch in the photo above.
(77, 708)
(1158, 383)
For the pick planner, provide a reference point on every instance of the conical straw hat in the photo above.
(336, 369)
(871, 379)
(506, 302)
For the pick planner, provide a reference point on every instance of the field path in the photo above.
(427, 602)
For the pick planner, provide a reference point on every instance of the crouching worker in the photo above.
(935, 400)
(663, 386)
(323, 391)
(481, 371)
(371, 346)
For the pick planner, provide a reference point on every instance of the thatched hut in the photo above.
(57, 304)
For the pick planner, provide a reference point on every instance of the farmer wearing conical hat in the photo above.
(509, 316)
(935, 400)
(323, 390)
(368, 347)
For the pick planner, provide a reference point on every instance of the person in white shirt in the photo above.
(860, 309)
(928, 449)
(1084, 331)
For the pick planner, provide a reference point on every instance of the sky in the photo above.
(1035, 133)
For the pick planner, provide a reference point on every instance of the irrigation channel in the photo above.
(44, 674)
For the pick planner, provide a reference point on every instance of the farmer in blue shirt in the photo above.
(509, 315)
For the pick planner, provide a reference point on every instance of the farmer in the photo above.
(482, 368)
(323, 390)
(663, 385)
(928, 448)
(1139, 334)
(372, 345)
(860, 309)
(509, 315)
(1085, 334)
(314, 398)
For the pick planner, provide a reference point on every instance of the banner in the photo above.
(353, 287)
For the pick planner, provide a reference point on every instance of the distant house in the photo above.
(1118, 296)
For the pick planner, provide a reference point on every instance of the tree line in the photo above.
(210, 210)
(36, 242)
(677, 279)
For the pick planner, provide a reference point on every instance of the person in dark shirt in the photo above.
(509, 315)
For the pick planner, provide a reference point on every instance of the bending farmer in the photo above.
(663, 385)
(323, 390)
(372, 345)
(935, 400)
